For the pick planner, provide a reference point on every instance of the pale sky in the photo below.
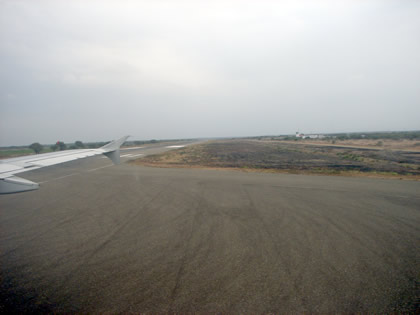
(98, 70)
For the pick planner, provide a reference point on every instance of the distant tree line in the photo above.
(395, 135)
(144, 142)
(58, 146)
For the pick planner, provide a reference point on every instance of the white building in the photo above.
(313, 136)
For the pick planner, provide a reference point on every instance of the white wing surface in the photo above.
(9, 183)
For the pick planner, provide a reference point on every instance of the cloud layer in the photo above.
(95, 70)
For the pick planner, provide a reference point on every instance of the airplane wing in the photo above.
(9, 183)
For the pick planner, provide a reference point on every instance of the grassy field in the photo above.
(10, 153)
(295, 157)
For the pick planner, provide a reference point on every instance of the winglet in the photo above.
(114, 145)
(112, 149)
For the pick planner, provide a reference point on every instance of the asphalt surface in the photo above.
(96, 238)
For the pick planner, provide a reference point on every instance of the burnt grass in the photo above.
(291, 157)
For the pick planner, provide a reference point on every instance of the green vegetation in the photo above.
(349, 156)
(94, 145)
(59, 146)
(36, 147)
(79, 145)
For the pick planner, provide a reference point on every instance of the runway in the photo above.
(96, 238)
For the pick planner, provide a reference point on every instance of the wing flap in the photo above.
(6, 168)
(62, 159)
(16, 184)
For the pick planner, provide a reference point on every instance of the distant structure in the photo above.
(311, 136)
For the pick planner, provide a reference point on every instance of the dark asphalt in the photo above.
(129, 238)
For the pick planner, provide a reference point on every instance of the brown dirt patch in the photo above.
(285, 157)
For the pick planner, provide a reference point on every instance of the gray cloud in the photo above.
(95, 70)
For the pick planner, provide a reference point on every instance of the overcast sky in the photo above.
(98, 70)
